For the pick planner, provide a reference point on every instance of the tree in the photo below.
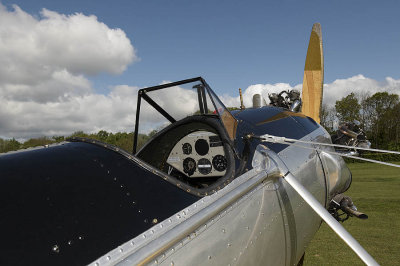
(328, 118)
(381, 110)
(7, 145)
(348, 108)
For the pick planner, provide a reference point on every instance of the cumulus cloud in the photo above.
(334, 91)
(360, 85)
(48, 58)
(45, 63)
(116, 111)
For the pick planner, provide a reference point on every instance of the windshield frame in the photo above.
(201, 92)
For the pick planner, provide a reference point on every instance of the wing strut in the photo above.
(328, 218)
(320, 210)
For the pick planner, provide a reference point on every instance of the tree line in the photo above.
(123, 140)
(378, 114)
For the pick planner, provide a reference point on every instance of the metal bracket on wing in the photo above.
(278, 166)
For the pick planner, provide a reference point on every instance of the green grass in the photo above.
(375, 191)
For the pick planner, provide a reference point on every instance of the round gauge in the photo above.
(220, 163)
(187, 148)
(189, 166)
(204, 166)
(201, 147)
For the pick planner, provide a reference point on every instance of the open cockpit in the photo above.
(194, 145)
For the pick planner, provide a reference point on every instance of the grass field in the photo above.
(375, 191)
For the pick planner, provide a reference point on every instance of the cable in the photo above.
(288, 141)
(283, 140)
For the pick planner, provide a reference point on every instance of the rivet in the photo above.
(56, 249)
(108, 258)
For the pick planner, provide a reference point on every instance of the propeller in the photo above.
(313, 79)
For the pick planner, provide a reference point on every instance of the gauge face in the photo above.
(201, 147)
(189, 166)
(187, 148)
(220, 163)
(204, 166)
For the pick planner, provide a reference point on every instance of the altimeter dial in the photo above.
(219, 162)
(189, 166)
(204, 166)
(187, 148)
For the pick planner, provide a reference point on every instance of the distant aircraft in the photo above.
(247, 187)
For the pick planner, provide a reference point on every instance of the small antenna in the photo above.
(241, 100)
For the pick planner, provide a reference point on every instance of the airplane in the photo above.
(212, 186)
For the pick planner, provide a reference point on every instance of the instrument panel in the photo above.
(199, 154)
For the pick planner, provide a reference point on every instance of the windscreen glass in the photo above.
(230, 123)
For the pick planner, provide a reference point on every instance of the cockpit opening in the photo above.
(195, 145)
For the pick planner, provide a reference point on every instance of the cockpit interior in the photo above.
(196, 149)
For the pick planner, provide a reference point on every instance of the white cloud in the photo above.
(44, 89)
(332, 91)
(44, 64)
(359, 85)
(115, 112)
(45, 59)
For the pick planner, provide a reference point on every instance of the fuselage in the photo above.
(74, 202)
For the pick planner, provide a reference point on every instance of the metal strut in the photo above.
(284, 140)
(289, 141)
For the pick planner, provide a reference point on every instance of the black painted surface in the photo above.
(268, 120)
(70, 204)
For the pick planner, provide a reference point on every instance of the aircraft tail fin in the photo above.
(313, 79)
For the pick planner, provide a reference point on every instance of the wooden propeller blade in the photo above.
(313, 79)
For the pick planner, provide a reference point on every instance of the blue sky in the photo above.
(77, 65)
(238, 43)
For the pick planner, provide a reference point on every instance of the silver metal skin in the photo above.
(338, 174)
(295, 107)
(321, 211)
(328, 218)
(258, 219)
(258, 101)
